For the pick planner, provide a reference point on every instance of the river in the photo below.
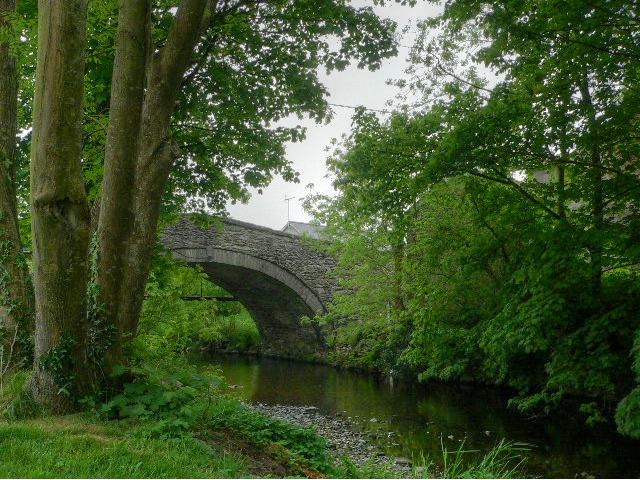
(415, 419)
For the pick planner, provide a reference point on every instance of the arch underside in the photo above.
(276, 301)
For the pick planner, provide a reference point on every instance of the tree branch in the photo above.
(506, 180)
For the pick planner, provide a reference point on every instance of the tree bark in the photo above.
(117, 216)
(59, 208)
(597, 196)
(16, 302)
(139, 165)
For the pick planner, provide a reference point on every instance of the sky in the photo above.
(352, 87)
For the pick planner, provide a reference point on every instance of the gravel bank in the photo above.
(342, 437)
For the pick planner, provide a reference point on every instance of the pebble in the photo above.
(343, 439)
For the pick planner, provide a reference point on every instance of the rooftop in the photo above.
(302, 228)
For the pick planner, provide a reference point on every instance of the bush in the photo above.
(169, 405)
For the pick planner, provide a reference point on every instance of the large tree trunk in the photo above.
(59, 208)
(117, 216)
(140, 154)
(16, 306)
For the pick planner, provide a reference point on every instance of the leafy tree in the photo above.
(559, 109)
(566, 105)
(15, 299)
(225, 69)
(376, 176)
(465, 234)
(367, 309)
(368, 221)
(552, 140)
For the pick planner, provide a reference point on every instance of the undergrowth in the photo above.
(167, 405)
(298, 447)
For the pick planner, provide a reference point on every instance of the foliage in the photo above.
(161, 389)
(170, 325)
(628, 409)
(166, 404)
(233, 330)
(58, 362)
(457, 259)
(211, 113)
(225, 121)
(301, 444)
(511, 203)
(15, 402)
(228, 139)
(367, 271)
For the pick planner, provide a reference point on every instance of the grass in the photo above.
(505, 460)
(89, 446)
(225, 439)
(79, 446)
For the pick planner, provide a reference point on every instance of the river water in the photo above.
(411, 420)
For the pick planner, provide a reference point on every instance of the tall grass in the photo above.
(505, 460)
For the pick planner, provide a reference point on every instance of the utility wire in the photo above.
(354, 108)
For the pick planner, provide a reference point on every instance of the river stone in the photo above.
(343, 439)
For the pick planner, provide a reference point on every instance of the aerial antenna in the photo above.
(288, 200)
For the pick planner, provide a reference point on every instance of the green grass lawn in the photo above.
(80, 446)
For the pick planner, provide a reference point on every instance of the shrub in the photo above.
(169, 405)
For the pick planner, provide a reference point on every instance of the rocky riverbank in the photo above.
(343, 438)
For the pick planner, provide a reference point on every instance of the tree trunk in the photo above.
(139, 165)
(117, 216)
(398, 272)
(59, 208)
(16, 302)
(597, 196)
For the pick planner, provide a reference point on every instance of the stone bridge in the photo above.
(277, 276)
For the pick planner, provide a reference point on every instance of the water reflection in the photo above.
(409, 420)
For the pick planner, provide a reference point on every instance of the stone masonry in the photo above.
(277, 276)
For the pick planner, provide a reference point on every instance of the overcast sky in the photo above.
(353, 87)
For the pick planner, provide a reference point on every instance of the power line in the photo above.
(354, 108)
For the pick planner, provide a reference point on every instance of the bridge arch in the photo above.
(276, 276)
(224, 256)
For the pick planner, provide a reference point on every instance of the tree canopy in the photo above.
(135, 110)
(513, 184)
